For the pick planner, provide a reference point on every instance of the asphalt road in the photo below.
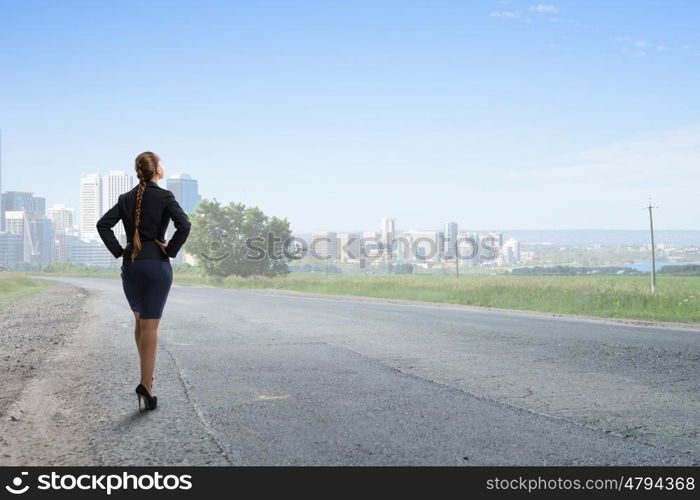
(250, 377)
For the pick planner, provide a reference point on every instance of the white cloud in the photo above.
(609, 186)
(635, 47)
(665, 159)
(508, 14)
(542, 8)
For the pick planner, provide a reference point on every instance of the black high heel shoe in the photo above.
(150, 402)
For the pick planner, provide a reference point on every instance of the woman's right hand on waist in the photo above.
(162, 245)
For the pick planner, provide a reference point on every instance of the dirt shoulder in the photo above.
(33, 328)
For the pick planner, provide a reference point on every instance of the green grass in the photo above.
(65, 269)
(677, 298)
(14, 286)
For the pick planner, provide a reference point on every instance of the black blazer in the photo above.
(157, 208)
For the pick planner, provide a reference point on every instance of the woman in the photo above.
(146, 271)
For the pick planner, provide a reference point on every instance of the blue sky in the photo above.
(503, 115)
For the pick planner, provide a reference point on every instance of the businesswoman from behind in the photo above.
(146, 271)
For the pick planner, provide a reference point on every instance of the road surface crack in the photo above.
(205, 424)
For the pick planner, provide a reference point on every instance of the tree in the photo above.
(238, 240)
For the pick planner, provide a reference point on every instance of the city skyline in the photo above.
(186, 189)
(37, 235)
(31, 234)
(105, 191)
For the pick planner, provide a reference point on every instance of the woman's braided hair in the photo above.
(146, 164)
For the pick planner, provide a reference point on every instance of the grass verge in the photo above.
(14, 286)
(601, 296)
(676, 300)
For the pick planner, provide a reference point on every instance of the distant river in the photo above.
(645, 266)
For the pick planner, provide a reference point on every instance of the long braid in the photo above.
(146, 168)
(137, 215)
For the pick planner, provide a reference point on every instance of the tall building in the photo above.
(23, 201)
(43, 239)
(11, 249)
(387, 230)
(186, 191)
(423, 246)
(27, 236)
(450, 239)
(36, 228)
(17, 222)
(90, 205)
(62, 217)
(497, 237)
(468, 248)
(323, 245)
(349, 247)
(114, 183)
(60, 252)
(490, 246)
(510, 253)
(370, 243)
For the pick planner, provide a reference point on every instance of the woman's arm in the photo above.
(104, 228)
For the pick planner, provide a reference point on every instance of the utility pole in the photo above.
(653, 248)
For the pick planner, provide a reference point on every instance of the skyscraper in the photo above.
(323, 245)
(423, 246)
(510, 253)
(349, 246)
(450, 239)
(17, 222)
(186, 191)
(115, 183)
(62, 218)
(90, 205)
(387, 231)
(468, 248)
(11, 249)
(32, 220)
(21, 200)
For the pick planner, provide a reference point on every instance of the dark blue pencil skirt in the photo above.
(146, 284)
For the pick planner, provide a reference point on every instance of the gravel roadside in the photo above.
(33, 328)
(78, 407)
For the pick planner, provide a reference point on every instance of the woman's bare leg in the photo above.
(148, 342)
(137, 332)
